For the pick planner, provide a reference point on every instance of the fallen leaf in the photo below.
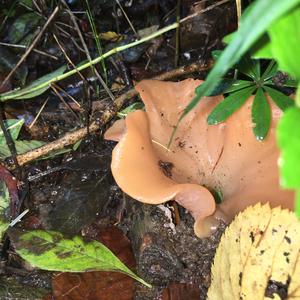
(261, 251)
(99, 285)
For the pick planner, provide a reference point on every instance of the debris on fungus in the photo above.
(258, 256)
(204, 158)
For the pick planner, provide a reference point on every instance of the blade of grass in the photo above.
(96, 37)
(10, 95)
(259, 16)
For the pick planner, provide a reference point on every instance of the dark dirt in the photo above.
(165, 255)
(70, 191)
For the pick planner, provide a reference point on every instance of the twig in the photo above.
(87, 51)
(72, 137)
(39, 112)
(208, 8)
(34, 50)
(68, 58)
(177, 42)
(7, 96)
(31, 46)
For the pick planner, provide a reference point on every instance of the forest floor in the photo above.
(71, 189)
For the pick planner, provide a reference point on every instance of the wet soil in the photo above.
(68, 192)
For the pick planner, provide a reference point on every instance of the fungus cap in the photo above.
(225, 158)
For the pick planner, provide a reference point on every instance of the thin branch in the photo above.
(34, 50)
(71, 138)
(87, 51)
(98, 59)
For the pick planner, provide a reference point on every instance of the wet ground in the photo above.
(74, 192)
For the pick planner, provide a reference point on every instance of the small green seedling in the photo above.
(257, 83)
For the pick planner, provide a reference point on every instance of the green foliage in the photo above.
(42, 84)
(229, 105)
(284, 41)
(289, 142)
(21, 147)
(134, 106)
(49, 250)
(257, 19)
(4, 206)
(19, 31)
(240, 90)
(261, 114)
(271, 29)
(34, 89)
(14, 126)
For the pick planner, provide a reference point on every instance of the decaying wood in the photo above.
(71, 138)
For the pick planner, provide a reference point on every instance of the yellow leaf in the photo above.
(260, 246)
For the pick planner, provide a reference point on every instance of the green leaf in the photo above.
(297, 203)
(280, 99)
(22, 26)
(32, 90)
(230, 85)
(13, 126)
(4, 207)
(261, 115)
(270, 71)
(289, 142)
(216, 54)
(262, 48)
(291, 83)
(130, 108)
(49, 250)
(285, 37)
(229, 105)
(249, 67)
(21, 147)
(260, 15)
(228, 38)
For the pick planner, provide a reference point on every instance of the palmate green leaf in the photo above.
(32, 90)
(49, 250)
(238, 85)
(4, 207)
(285, 37)
(289, 142)
(260, 15)
(249, 67)
(13, 126)
(270, 71)
(261, 115)
(21, 147)
(228, 85)
(229, 105)
(280, 99)
(291, 83)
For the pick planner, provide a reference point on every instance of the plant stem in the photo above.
(98, 59)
